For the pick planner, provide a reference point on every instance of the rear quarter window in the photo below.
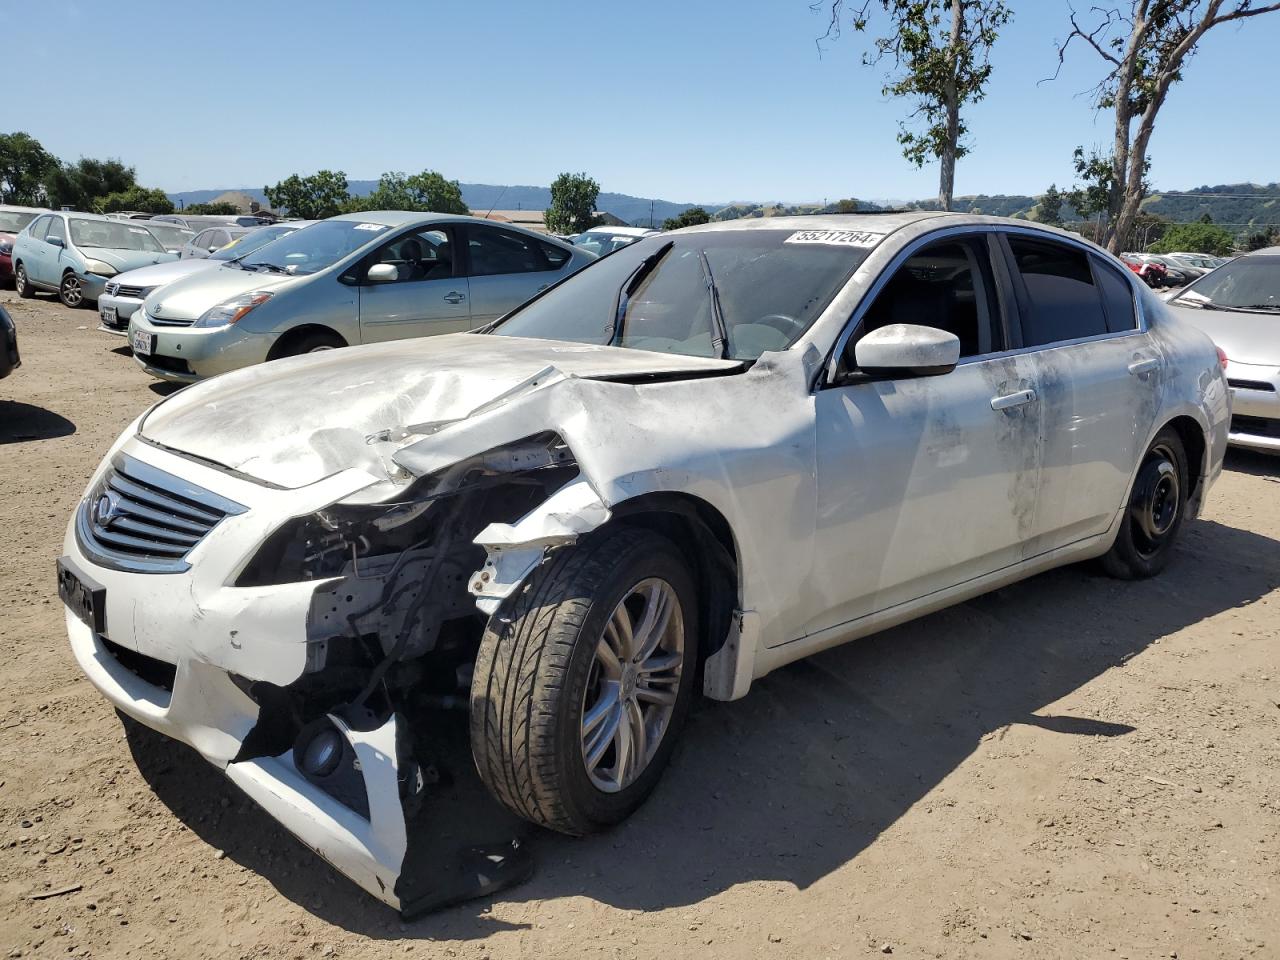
(1117, 297)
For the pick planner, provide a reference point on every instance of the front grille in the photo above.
(1260, 385)
(134, 293)
(1255, 426)
(112, 288)
(142, 519)
(161, 322)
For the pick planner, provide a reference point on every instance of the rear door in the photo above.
(428, 296)
(36, 254)
(1098, 379)
(506, 268)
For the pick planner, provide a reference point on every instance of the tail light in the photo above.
(1222, 357)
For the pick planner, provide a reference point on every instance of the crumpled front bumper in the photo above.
(214, 637)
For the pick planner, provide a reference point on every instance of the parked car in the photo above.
(605, 240)
(74, 254)
(172, 237)
(200, 221)
(1201, 261)
(211, 239)
(356, 278)
(12, 220)
(1175, 274)
(126, 291)
(705, 456)
(1238, 305)
(1153, 274)
(129, 215)
(9, 359)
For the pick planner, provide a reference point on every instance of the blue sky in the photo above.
(695, 100)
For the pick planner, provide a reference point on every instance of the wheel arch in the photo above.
(1195, 443)
(705, 538)
(295, 334)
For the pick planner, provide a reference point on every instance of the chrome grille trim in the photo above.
(153, 519)
(135, 293)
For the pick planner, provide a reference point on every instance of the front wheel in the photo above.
(1157, 506)
(583, 680)
(71, 291)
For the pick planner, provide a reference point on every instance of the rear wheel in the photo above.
(71, 291)
(1150, 525)
(582, 682)
(22, 282)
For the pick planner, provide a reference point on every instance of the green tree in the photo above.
(1206, 218)
(1049, 209)
(315, 197)
(941, 52)
(220, 209)
(427, 191)
(848, 205)
(142, 199)
(24, 165)
(573, 204)
(1195, 238)
(1144, 45)
(82, 184)
(687, 218)
(1261, 238)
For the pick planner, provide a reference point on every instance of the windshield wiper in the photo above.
(627, 289)
(720, 338)
(1234, 308)
(263, 265)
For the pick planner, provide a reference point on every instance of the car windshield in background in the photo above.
(251, 242)
(312, 249)
(170, 237)
(11, 221)
(112, 235)
(1248, 283)
(675, 293)
(603, 243)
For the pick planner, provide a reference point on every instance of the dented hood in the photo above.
(294, 421)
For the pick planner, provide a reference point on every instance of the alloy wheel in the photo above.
(71, 292)
(631, 690)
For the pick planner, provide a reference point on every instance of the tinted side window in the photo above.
(1063, 302)
(946, 285)
(1117, 298)
(498, 251)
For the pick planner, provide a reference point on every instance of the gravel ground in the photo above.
(1071, 767)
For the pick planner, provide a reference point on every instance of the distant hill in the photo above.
(1260, 208)
(487, 196)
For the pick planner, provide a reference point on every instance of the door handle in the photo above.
(454, 297)
(1140, 368)
(1010, 400)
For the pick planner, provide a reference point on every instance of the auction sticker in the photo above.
(370, 226)
(839, 238)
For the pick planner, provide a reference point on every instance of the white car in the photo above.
(605, 240)
(125, 292)
(707, 455)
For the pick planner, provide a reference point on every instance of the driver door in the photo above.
(925, 482)
(428, 296)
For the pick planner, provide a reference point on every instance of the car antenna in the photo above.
(501, 193)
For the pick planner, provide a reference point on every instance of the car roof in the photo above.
(15, 208)
(409, 218)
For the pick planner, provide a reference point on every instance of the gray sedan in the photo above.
(1238, 306)
(356, 278)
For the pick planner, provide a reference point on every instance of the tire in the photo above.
(315, 342)
(71, 291)
(1157, 506)
(23, 283)
(538, 676)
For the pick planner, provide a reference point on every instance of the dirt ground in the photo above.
(1071, 767)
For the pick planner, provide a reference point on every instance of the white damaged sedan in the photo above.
(707, 455)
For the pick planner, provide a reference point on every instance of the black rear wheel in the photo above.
(23, 282)
(1157, 506)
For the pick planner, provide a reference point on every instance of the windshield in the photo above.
(603, 243)
(1248, 283)
(171, 237)
(252, 241)
(657, 294)
(310, 249)
(112, 235)
(11, 221)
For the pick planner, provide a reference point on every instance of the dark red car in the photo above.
(1152, 274)
(12, 219)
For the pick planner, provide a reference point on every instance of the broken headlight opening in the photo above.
(507, 482)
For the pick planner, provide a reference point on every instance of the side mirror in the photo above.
(213, 249)
(383, 273)
(908, 350)
(56, 241)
